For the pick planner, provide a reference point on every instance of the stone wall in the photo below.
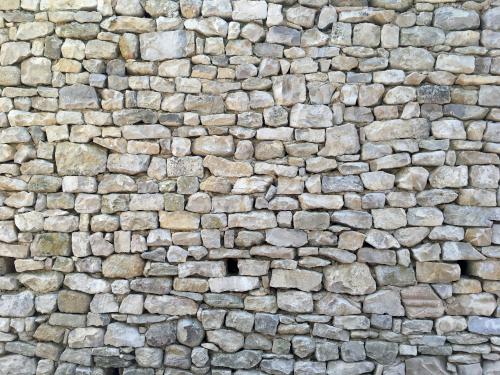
(249, 187)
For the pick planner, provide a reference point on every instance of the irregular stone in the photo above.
(354, 278)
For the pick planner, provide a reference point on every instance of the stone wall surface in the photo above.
(249, 187)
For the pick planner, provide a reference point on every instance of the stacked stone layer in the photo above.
(249, 187)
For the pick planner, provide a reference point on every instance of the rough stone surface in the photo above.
(249, 187)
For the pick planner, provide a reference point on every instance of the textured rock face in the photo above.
(249, 187)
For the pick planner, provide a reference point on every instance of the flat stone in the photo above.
(299, 279)
(122, 266)
(119, 334)
(166, 45)
(18, 305)
(352, 279)
(484, 326)
(170, 305)
(310, 116)
(449, 18)
(244, 359)
(18, 364)
(78, 96)
(80, 159)
(424, 365)
(341, 140)
(384, 302)
(421, 302)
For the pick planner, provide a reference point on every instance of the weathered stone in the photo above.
(170, 305)
(449, 18)
(122, 266)
(299, 279)
(119, 334)
(18, 305)
(80, 159)
(352, 279)
(78, 97)
(425, 365)
(166, 45)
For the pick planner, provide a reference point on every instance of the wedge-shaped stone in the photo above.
(395, 129)
(460, 251)
(179, 220)
(295, 301)
(78, 96)
(297, 279)
(354, 278)
(87, 284)
(385, 301)
(165, 45)
(41, 282)
(128, 24)
(79, 159)
(202, 268)
(335, 305)
(471, 304)
(225, 168)
(421, 302)
(170, 305)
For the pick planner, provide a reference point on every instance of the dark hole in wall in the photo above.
(232, 266)
(463, 267)
(115, 371)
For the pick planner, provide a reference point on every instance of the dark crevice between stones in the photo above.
(232, 266)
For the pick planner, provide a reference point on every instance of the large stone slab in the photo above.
(164, 45)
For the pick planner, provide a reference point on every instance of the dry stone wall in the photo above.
(249, 187)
